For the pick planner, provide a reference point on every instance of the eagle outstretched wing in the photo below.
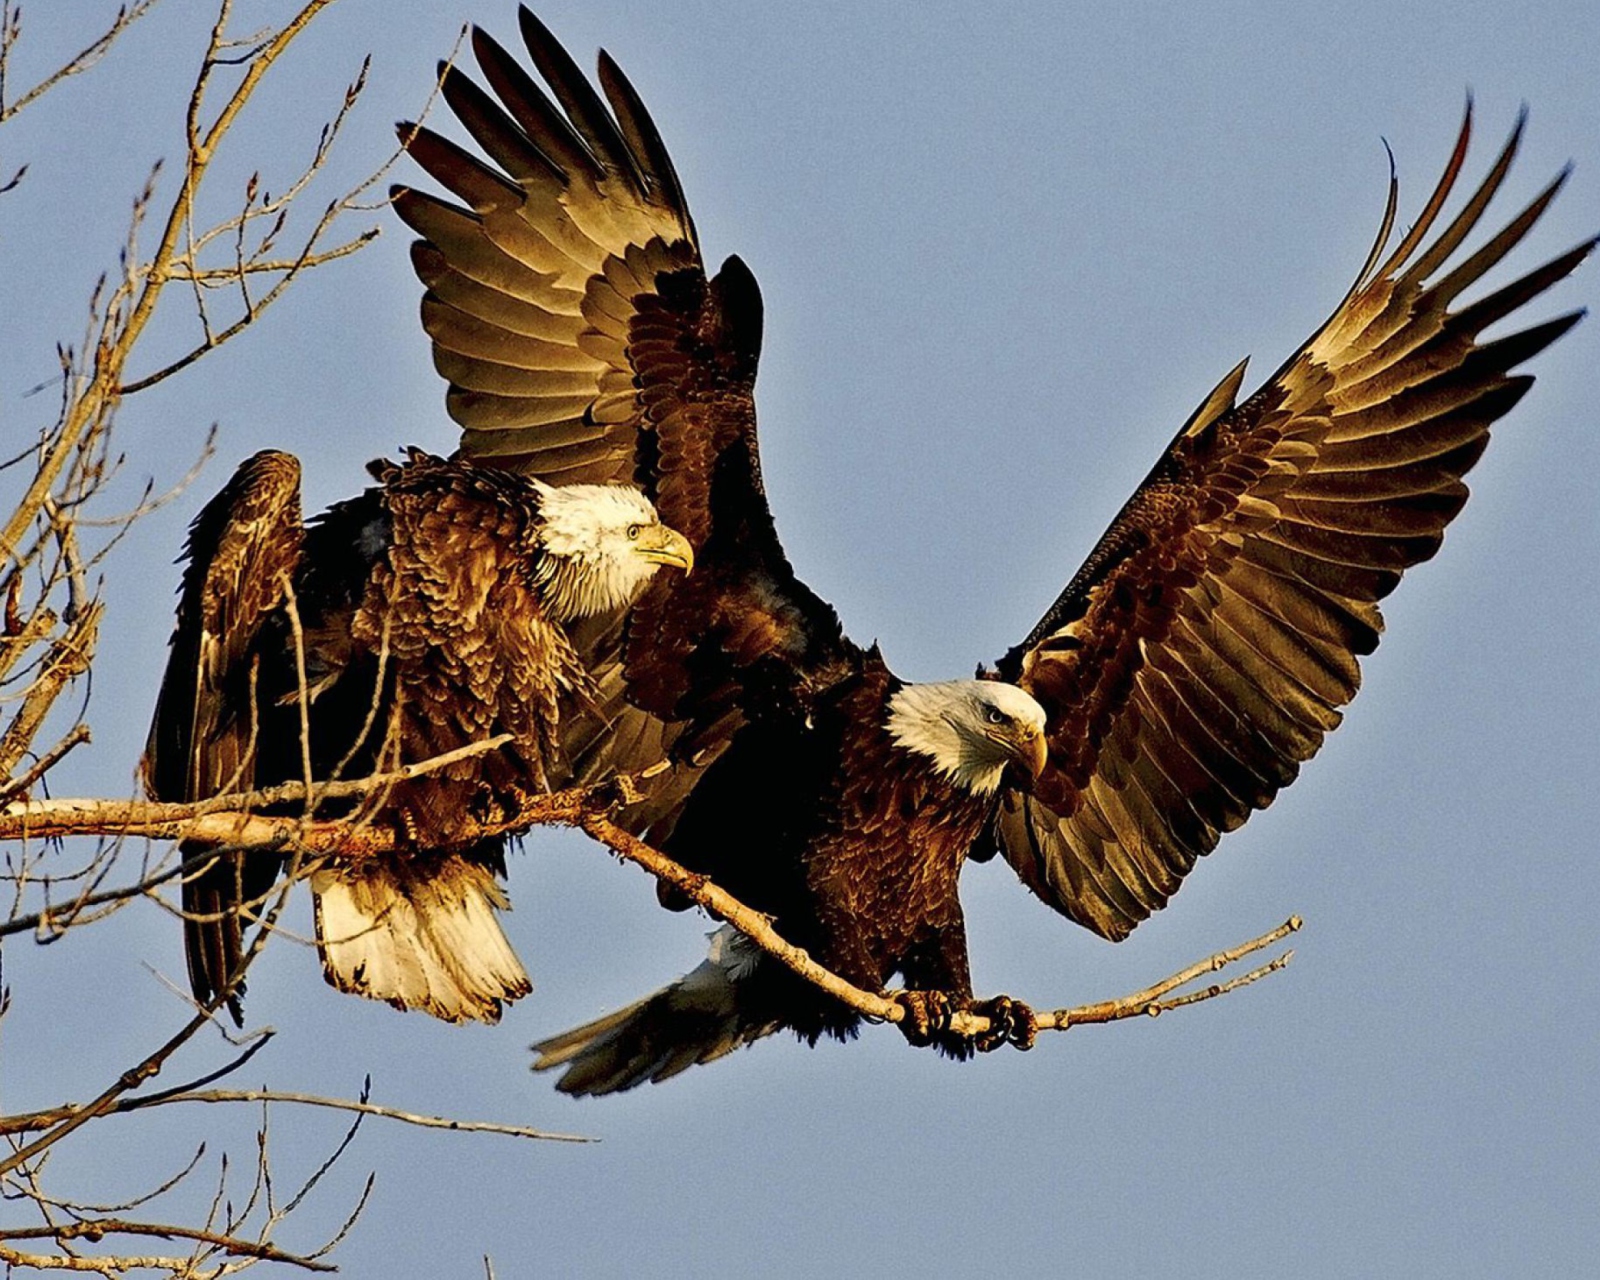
(243, 549)
(582, 339)
(1205, 648)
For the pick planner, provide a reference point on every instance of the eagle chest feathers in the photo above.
(894, 854)
(455, 603)
(897, 859)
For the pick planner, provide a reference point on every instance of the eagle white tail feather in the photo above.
(702, 1016)
(418, 941)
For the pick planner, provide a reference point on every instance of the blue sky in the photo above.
(1003, 256)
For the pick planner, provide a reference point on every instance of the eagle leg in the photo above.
(927, 1016)
(1010, 1022)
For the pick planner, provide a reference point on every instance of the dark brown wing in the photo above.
(242, 547)
(1203, 651)
(531, 286)
(572, 314)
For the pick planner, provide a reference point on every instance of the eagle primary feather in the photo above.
(425, 615)
(1188, 669)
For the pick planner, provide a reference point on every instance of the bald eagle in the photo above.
(1199, 656)
(424, 615)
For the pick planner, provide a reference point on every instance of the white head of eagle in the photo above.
(601, 544)
(970, 729)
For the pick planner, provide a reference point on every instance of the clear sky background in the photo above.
(1005, 251)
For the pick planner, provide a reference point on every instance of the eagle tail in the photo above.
(418, 937)
(709, 1012)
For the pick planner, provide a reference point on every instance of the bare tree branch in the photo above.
(230, 271)
(36, 1120)
(76, 736)
(588, 809)
(97, 1229)
(132, 303)
(146, 1069)
(11, 32)
(232, 816)
(878, 1007)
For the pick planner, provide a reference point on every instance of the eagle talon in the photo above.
(613, 795)
(1010, 1022)
(927, 1016)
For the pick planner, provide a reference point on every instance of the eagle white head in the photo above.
(602, 544)
(970, 729)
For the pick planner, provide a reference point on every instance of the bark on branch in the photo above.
(95, 1230)
(230, 818)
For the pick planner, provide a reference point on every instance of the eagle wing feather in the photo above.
(243, 549)
(572, 314)
(1205, 648)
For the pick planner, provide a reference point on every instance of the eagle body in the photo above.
(433, 576)
(1176, 685)
(423, 616)
(864, 822)
(862, 840)
(884, 875)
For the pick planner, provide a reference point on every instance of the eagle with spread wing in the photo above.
(428, 614)
(1176, 685)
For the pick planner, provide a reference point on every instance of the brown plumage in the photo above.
(240, 548)
(423, 616)
(855, 844)
(1184, 674)
(1202, 653)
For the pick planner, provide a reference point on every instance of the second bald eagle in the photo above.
(430, 613)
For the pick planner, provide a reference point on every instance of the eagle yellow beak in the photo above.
(660, 544)
(1034, 752)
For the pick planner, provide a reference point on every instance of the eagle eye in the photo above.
(994, 715)
(633, 533)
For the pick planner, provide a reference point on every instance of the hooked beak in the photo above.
(1031, 752)
(660, 544)
(1036, 754)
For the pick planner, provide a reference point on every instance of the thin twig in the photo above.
(76, 736)
(146, 1069)
(135, 300)
(34, 1121)
(82, 1209)
(363, 1108)
(1149, 1002)
(291, 608)
(56, 918)
(151, 1065)
(78, 63)
(224, 277)
(301, 264)
(96, 1229)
